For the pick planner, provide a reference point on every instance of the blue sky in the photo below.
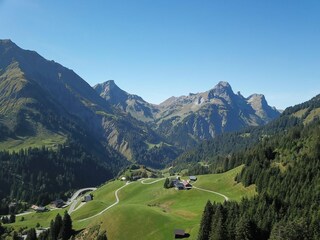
(162, 48)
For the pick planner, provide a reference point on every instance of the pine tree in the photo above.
(12, 218)
(205, 225)
(218, 229)
(66, 228)
(32, 235)
(166, 183)
(55, 227)
(15, 236)
(244, 230)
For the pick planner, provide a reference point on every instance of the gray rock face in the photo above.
(186, 120)
(33, 88)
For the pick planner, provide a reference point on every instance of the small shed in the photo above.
(123, 179)
(193, 178)
(57, 203)
(179, 233)
(87, 198)
(41, 209)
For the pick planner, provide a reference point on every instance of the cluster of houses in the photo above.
(183, 184)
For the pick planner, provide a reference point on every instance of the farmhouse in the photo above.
(87, 198)
(57, 203)
(38, 208)
(193, 178)
(179, 233)
(41, 209)
(179, 185)
(186, 184)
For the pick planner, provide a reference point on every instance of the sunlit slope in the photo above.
(152, 212)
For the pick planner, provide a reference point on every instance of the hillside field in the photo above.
(148, 211)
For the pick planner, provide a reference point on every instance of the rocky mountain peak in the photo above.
(258, 101)
(221, 90)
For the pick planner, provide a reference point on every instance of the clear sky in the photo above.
(162, 48)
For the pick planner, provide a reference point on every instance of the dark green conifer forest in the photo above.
(285, 167)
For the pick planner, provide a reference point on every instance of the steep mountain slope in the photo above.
(41, 100)
(205, 115)
(185, 121)
(128, 103)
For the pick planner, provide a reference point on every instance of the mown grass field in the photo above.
(152, 212)
(148, 211)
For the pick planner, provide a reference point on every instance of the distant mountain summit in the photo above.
(186, 120)
(128, 103)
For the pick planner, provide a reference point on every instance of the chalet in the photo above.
(87, 198)
(38, 208)
(186, 184)
(41, 209)
(193, 178)
(59, 203)
(179, 233)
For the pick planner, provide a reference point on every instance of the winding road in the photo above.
(117, 201)
(142, 181)
(206, 190)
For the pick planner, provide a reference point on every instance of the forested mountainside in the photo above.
(285, 168)
(41, 175)
(217, 155)
(187, 120)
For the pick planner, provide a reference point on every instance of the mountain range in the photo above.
(187, 120)
(45, 103)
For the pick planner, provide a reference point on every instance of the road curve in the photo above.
(73, 200)
(77, 193)
(205, 190)
(158, 180)
(117, 201)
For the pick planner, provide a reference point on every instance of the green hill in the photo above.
(147, 211)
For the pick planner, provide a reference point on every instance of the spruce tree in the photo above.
(66, 228)
(55, 227)
(244, 230)
(31, 235)
(205, 225)
(166, 183)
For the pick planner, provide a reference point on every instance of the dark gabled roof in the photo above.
(179, 232)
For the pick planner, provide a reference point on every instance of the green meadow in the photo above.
(147, 211)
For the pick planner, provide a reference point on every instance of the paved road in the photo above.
(117, 201)
(158, 180)
(73, 200)
(206, 190)
(77, 193)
